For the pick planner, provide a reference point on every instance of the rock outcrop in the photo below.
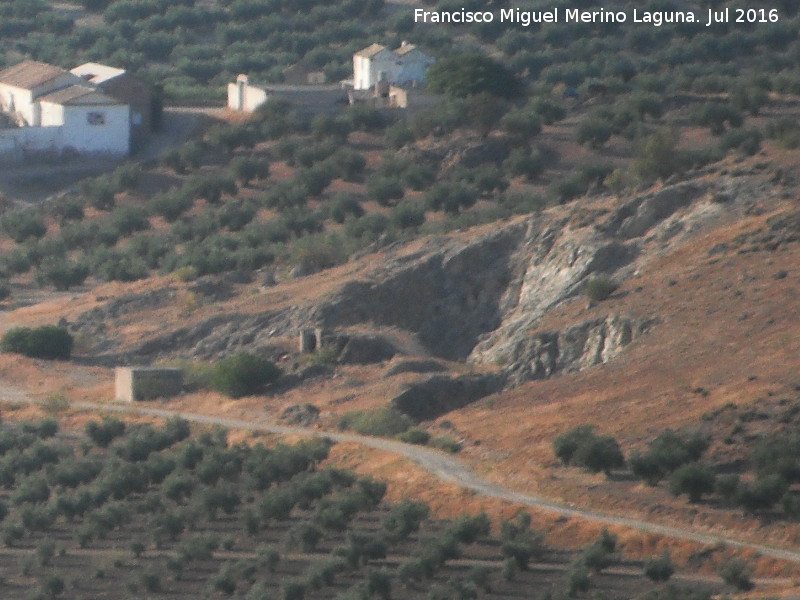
(439, 394)
(479, 298)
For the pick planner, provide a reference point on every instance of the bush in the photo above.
(102, 434)
(246, 168)
(380, 421)
(446, 443)
(693, 479)
(666, 453)
(415, 435)
(48, 342)
(22, 224)
(465, 75)
(404, 519)
(61, 272)
(762, 493)
(655, 155)
(600, 287)
(384, 190)
(736, 573)
(659, 568)
(582, 447)
(243, 375)
(520, 543)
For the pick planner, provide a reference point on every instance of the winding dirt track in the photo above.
(443, 466)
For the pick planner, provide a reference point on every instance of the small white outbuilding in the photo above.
(407, 65)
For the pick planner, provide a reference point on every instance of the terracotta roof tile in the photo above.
(76, 95)
(370, 50)
(30, 74)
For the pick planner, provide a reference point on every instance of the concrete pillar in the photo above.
(147, 383)
(308, 341)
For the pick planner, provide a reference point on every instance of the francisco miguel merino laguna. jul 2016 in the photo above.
(526, 18)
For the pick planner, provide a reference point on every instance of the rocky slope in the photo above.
(480, 297)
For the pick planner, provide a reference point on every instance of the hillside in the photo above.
(698, 332)
(569, 285)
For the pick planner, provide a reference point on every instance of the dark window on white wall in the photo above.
(96, 118)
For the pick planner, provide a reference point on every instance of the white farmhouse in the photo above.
(407, 65)
(21, 84)
(56, 110)
(90, 120)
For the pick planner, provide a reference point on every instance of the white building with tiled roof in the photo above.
(376, 63)
(21, 84)
(56, 110)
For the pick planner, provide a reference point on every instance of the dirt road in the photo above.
(443, 466)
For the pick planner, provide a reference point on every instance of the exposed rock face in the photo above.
(448, 294)
(440, 394)
(479, 299)
(577, 347)
(366, 349)
(414, 366)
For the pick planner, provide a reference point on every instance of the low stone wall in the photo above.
(147, 383)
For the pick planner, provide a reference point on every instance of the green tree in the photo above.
(736, 572)
(243, 375)
(659, 568)
(693, 479)
(48, 342)
(465, 75)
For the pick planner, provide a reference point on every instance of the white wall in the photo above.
(413, 67)
(23, 98)
(367, 70)
(52, 115)
(17, 100)
(242, 96)
(14, 143)
(97, 128)
(110, 134)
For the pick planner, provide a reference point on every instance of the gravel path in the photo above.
(443, 466)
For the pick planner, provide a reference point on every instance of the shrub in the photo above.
(519, 542)
(655, 156)
(446, 443)
(343, 205)
(581, 446)
(659, 568)
(465, 75)
(594, 130)
(762, 493)
(384, 190)
(398, 135)
(715, 116)
(22, 224)
(380, 421)
(48, 342)
(746, 141)
(403, 519)
(566, 444)
(600, 287)
(601, 554)
(170, 204)
(666, 453)
(600, 453)
(128, 219)
(61, 272)
(578, 579)
(693, 479)
(246, 168)
(243, 375)
(450, 196)
(736, 573)
(415, 435)
(102, 434)
(726, 487)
